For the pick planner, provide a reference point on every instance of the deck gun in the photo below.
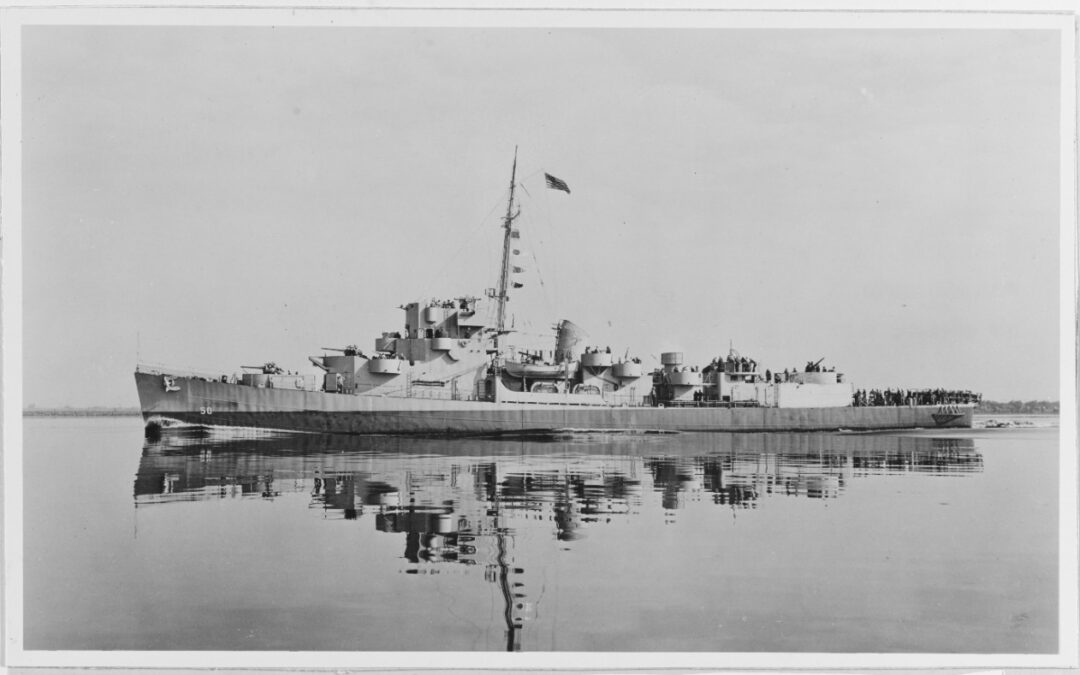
(348, 350)
(268, 368)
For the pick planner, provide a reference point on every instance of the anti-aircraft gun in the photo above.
(348, 350)
(814, 366)
(268, 368)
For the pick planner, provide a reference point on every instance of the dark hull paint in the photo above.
(220, 404)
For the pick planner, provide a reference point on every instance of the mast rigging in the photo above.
(504, 273)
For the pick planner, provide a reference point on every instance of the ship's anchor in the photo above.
(170, 384)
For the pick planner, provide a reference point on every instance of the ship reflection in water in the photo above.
(464, 502)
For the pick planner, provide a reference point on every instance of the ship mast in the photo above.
(504, 273)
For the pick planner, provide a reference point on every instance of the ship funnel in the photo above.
(569, 342)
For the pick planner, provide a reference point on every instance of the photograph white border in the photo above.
(1058, 16)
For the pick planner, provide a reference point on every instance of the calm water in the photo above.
(748, 543)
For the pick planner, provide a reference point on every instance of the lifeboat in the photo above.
(591, 389)
(545, 388)
(540, 371)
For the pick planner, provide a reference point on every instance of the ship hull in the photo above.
(221, 404)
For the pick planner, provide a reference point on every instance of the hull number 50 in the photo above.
(206, 410)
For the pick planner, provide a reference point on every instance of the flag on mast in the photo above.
(556, 184)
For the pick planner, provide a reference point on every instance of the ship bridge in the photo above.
(456, 319)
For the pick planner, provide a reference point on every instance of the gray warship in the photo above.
(452, 371)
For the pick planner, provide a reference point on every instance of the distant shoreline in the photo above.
(82, 412)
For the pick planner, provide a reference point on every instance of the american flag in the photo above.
(556, 184)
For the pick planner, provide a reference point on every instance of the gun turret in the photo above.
(348, 350)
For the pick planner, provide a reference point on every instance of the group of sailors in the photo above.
(898, 397)
(686, 369)
(456, 303)
(607, 350)
(732, 364)
(742, 364)
(789, 374)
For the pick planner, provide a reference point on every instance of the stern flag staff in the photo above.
(556, 184)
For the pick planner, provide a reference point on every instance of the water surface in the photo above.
(920, 542)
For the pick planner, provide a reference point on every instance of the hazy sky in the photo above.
(209, 197)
